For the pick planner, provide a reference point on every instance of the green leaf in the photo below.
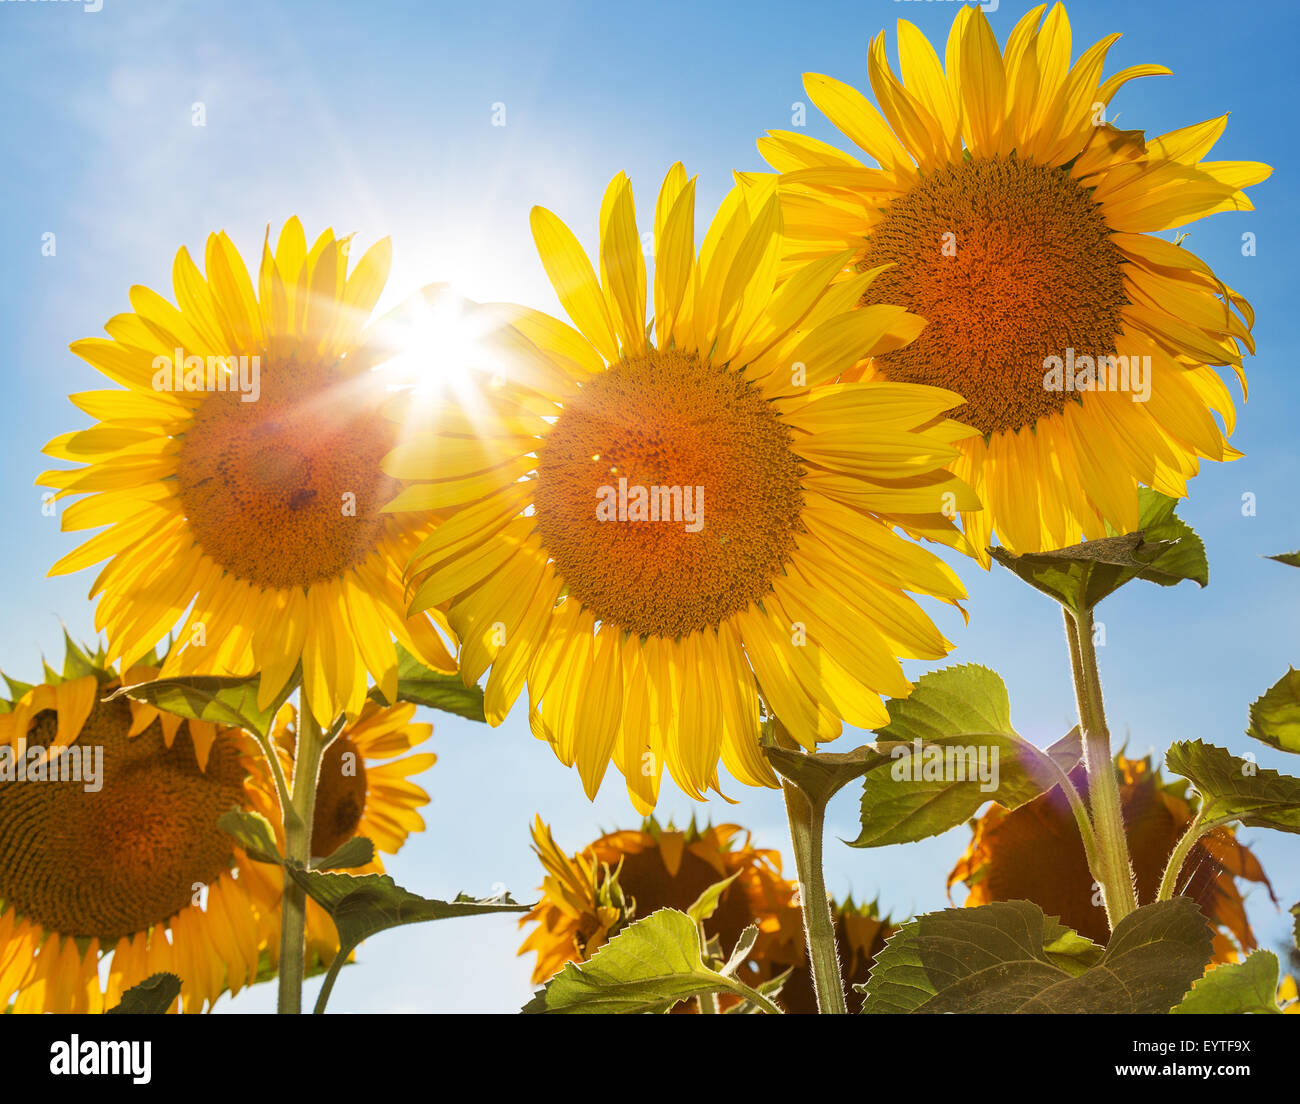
(356, 852)
(1290, 558)
(995, 959)
(651, 965)
(822, 775)
(364, 905)
(152, 997)
(253, 832)
(1237, 789)
(1163, 550)
(1295, 931)
(1235, 987)
(1275, 717)
(225, 701)
(949, 711)
(740, 952)
(706, 904)
(417, 683)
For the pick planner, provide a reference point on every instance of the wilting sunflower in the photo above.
(1035, 853)
(121, 855)
(237, 470)
(649, 532)
(364, 789)
(1022, 227)
(629, 874)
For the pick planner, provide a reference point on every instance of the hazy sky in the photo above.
(377, 119)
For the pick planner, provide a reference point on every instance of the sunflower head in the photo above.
(651, 525)
(1034, 853)
(1020, 223)
(237, 469)
(109, 844)
(624, 875)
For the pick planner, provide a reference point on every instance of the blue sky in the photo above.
(377, 119)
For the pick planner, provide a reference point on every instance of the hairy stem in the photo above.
(297, 849)
(806, 823)
(1113, 868)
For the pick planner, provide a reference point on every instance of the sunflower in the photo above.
(120, 859)
(649, 533)
(623, 875)
(237, 470)
(363, 789)
(1034, 853)
(1023, 228)
(631, 873)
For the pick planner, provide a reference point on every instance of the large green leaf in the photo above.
(925, 793)
(1235, 987)
(651, 965)
(364, 905)
(1275, 717)
(1008, 957)
(1162, 550)
(151, 997)
(225, 701)
(1292, 559)
(418, 683)
(1237, 789)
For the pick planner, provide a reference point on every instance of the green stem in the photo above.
(1113, 869)
(757, 998)
(331, 975)
(807, 820)
(1080, 812)
(1178, 856)
(297, 849)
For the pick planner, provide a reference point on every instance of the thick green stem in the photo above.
(806, 823)
(297, 849)
(1114, 870)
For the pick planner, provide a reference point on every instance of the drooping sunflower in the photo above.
(1023, 227)
(1035, 853)
(237, 470)
(120, 858)
(649, 531)
(363, 789)
(623, 875)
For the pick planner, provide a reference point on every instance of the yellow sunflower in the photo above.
(628, 874)
(649, 531)
(1022, 226)
(237, 470)
(1035, 853)
(120, 858)
(631, 873)
(363, 789)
